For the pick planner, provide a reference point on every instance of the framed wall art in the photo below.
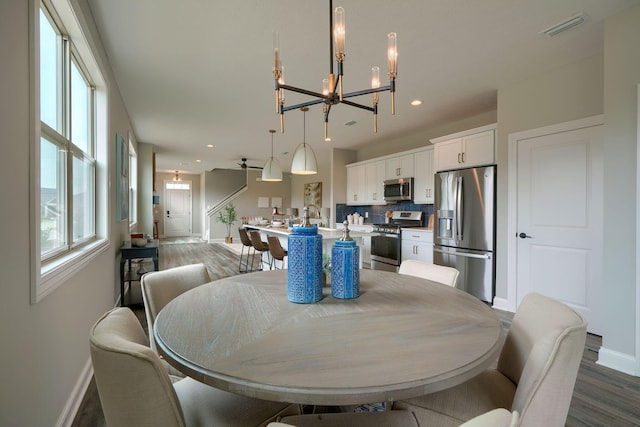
(313, 194)
(122, 178)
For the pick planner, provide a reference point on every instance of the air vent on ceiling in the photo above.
(568, 23)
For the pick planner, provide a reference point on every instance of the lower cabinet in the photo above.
(417, 244)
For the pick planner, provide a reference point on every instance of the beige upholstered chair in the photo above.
(437, 273)
(135, 390)
(497, 418)
(245, 265)
(350, 419)
(535, 375)
(276, 251)
(160, 287)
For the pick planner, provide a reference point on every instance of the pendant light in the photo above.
(272, 170)
(304, 159)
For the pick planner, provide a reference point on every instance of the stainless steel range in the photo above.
(385, 241)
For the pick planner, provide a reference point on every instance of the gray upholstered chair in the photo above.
(535, 376)
(160, 287)
(437, 273)
(350, 419)
(135, 390)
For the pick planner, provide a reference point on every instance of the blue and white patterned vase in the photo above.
(304, 274)
(345, 267)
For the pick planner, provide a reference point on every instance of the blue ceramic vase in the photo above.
(345, 267)
(304, 274)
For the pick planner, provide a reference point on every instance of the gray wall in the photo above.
(45, 345)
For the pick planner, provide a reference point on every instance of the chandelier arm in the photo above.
(367, 91)
(303, 104)
(354, 104)
(303, 91)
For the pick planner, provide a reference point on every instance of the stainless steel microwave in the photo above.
(398, 189)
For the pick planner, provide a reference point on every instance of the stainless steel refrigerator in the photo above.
(464, 227)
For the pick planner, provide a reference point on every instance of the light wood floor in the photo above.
(602, 397)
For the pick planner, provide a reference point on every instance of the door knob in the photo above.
(524, 236)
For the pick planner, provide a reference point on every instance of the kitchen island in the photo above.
(329, 236)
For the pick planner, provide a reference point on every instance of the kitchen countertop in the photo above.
(326, 233)
(430, 230)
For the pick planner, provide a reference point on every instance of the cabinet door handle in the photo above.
(459, 157)
(463, 157)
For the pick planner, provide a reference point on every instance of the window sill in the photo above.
(56, 272)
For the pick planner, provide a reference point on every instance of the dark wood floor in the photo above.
(602, 397)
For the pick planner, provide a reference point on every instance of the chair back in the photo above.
(244, 237)
(160, 287)
(542, 355)
(275, 248)
(257, 242)
(134, 388)
(437, 273)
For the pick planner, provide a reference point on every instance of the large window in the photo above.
(68, 149)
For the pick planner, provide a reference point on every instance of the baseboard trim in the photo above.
(502, 304)
(622, 362)
(77, 394)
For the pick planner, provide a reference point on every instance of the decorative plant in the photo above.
(227, 216)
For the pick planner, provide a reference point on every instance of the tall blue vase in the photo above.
(345, 267)
(304, 274)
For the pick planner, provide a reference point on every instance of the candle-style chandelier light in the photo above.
(332, 92)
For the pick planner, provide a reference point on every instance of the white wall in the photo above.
(621, 77)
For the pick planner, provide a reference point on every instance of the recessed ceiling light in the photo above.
(209, 145)
(198, 161)
(416, 102)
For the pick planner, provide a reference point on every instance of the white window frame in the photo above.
(133, 186)
(48, 274)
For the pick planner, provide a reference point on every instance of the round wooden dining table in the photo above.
(402, 337)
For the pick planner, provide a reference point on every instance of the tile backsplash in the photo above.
(376, 212)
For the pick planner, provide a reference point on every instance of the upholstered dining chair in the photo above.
(497, 418)
(535, 375)
(160, 287)
(437, 273)
(135, 390)
(350, 419)
(245, 266)
(260, 246)
(276, 251)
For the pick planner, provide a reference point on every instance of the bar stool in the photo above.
(243, 266)
(260, 246)
(276, 251)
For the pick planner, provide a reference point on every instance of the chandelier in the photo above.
(332, 92)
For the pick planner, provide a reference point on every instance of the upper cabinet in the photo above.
(365, 183)
(400, 167)
(475, 147)
(423, 179)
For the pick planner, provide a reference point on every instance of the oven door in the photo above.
(385, 252)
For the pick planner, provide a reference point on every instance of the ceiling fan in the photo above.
(244, 165)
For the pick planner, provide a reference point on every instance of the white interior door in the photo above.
(559, 219)
(177, 214)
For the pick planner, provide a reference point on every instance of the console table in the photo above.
(129, 252)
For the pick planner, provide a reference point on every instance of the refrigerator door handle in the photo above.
(464, 254)
(459, 208)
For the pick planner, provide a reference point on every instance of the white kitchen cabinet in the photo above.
(417, 244)
(400, 167)
(374, 182)
(365, 183)
(423, 182)
(465, 149)
(355, 185)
